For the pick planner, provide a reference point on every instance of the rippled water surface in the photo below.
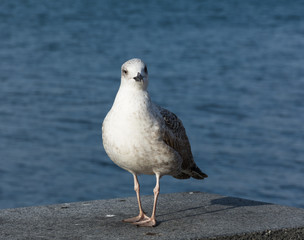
(233, 71)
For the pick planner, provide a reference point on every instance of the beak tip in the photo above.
(139, 77)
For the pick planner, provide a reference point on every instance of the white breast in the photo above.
(132, 135)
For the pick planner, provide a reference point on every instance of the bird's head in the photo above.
(134, 74)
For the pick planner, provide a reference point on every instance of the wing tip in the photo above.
(197, 173)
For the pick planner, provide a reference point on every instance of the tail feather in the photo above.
(194, 172)
(197, 173)
(182, 176)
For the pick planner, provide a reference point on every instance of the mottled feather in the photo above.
(174, 135)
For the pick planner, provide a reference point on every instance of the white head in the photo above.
(134, 74)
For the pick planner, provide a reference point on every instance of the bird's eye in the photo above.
(146, 70)
(125, 71)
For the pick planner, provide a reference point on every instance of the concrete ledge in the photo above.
(180, 216)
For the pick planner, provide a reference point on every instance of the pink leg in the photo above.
(141, 215)
(151, 222)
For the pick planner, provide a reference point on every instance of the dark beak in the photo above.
(139, 78)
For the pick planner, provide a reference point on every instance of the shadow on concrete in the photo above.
(224, 204)
(236, 202)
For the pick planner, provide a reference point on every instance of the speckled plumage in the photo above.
(174, 135)
(144, 138)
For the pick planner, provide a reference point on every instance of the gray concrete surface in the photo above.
(180, 216)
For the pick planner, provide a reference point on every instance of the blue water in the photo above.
(233, 71)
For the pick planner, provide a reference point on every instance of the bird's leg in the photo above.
(141, 215)
(151, 222)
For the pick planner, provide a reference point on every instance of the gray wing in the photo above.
(175, 136)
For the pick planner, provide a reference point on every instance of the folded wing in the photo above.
(174, 135)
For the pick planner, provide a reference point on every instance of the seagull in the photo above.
(144, 138)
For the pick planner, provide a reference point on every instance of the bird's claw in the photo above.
(146, 223)
(139, 218)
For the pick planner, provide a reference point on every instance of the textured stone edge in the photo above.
(279, 234)
(189, 207)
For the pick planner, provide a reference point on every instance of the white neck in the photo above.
(129, 98)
